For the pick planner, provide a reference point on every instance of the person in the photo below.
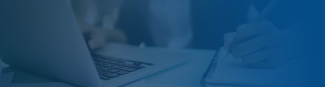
(294, 31)
(136, 22)
(269, 44)
(105, 21)
(261, 44)
(91, 14)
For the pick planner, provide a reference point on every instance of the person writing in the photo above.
(262, 44)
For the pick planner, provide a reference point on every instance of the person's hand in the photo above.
(260, 45)
(97, 37)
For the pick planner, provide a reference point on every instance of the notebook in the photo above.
(234, 72)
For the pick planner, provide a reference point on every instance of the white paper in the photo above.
(5, 79)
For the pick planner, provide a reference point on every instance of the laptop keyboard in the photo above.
(110, 67)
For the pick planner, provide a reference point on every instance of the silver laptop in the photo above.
(43, 37)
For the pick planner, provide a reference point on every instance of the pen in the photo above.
(262, 16)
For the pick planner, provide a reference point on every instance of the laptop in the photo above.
(43, 37)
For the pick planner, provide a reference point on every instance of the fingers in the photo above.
(96, 41)
(260, 55)
(229, 40)
(277, 55)
(266, 63)
(247, 31)
(259, 44)
(98, 37)
(269, 63)
(255, 44)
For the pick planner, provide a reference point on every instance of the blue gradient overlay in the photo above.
(299, 24)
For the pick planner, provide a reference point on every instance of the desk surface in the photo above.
(186, 74)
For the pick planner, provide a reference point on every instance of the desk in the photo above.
(189, 73)
(186, 74)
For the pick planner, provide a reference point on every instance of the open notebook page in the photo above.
(234, 72)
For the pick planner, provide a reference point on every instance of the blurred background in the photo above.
(198, 24)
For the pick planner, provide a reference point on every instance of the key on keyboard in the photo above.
(110, 67)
